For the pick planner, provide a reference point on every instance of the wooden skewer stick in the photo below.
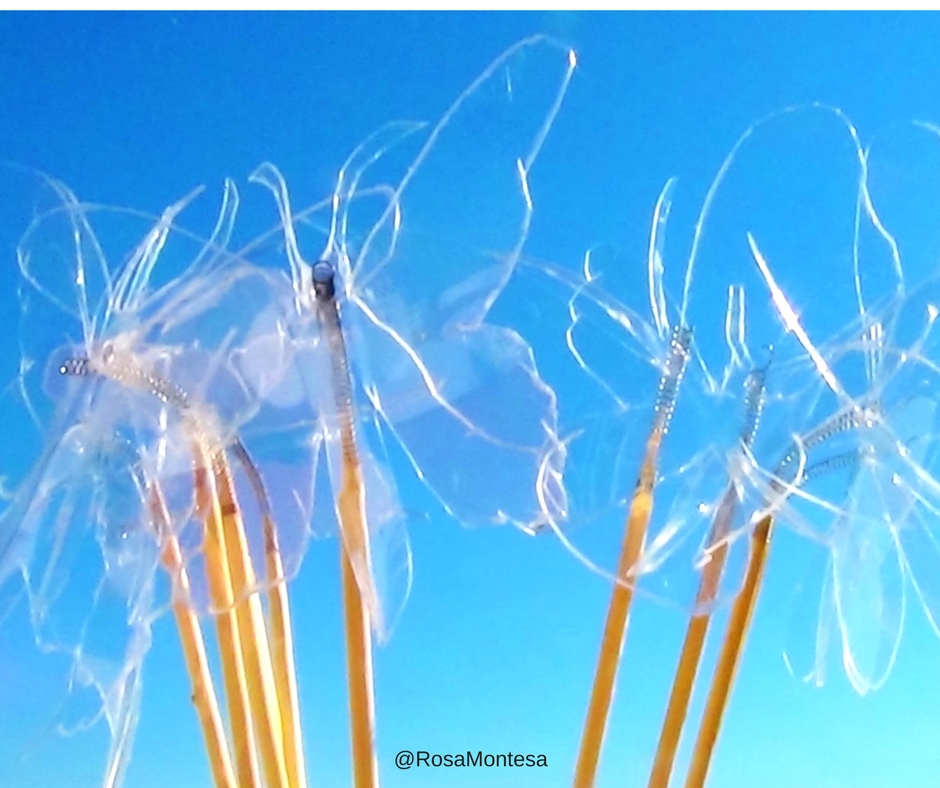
(694, 644)
(738, 625)
(220, 592)
(194, 648)
(634, 541)
(618, 613)
(691, 654)
(351, 509)
(351, 505)
(281, 632)
(282, 653)
(252, 636)
(240, 622)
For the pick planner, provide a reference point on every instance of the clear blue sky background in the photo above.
(496, 648)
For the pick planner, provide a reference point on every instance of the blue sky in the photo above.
(496, 648)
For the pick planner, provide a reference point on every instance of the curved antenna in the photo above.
(367, 153)
(792, 322)
(221, 234)
(655, 258)
(131, 285)
(270, 177)
(81, 233)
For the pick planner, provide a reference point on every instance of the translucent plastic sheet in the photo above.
(731, 407)
(859, 482)
(126, 378)
(867, 497)
(423, 232)
(156, 365)
(799, 399)
(723, 380)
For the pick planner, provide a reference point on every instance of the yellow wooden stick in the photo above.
(618, 613)
(194, 649)
(694, 644)
(281, 632)
(691, 655)
(220, 592)
(351, 505)
(359, 669)
(282, 652)
(252, 636)
(351, 509)
(731, 649)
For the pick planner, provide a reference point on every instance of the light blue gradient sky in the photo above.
(496, 648)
